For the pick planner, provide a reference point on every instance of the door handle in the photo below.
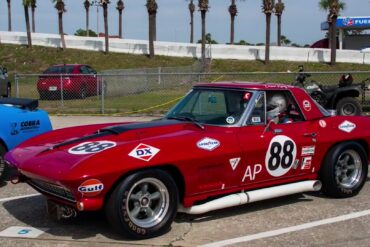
(313, 135)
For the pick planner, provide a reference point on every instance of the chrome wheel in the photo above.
(147, 202)
(348, 169)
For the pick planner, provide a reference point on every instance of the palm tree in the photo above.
(191, 7)
(120, 7)
(60, 6)
(267, 9)
(26, 4)
(87, 8)
(33, 7)
(279, 9)
(233, 10)
(104, 4)
(203, 8)
(334, 7)
(152, 7)
(9, 15)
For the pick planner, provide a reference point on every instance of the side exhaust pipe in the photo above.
(253, 196)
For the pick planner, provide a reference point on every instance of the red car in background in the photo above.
(69, 81)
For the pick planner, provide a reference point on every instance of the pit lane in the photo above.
(254, 220)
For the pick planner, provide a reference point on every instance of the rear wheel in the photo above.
(4, 169)
(348, 107)
(143, 205)
(83, 92)
(344, 170)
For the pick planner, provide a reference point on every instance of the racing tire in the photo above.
(348, 107)
(4, 169)
(83, 92)
(344, 170)
(143, 205)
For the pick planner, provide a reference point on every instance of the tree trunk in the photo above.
(203, 15)
(191, 27)
(33, 20)
(28, 26)
(232, 29)
(267, 45)
(120, 24)
(155, 27)
(87, 23)
(333, 42)
(151, 35)
(9, 16)
(279, 30)
(105, 7)
(61, 32)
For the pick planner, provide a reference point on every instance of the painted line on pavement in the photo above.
(288, 229)
(17, 197)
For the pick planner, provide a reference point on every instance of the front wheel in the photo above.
(4, 169)
(143, 205)
(344, 170)
(348, 107)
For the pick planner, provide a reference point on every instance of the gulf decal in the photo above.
(144, 152)
(91, 188)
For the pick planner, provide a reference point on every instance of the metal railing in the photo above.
(146, 92)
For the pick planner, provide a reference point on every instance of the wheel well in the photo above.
(2, 143)
(362, 142)
(351, 94)
(170, 169)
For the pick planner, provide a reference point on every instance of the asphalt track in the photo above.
(309, 219)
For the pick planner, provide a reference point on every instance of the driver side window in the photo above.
(257, 116)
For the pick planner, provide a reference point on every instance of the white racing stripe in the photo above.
(288, 229)
(17, 197)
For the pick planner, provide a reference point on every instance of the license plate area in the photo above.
(53, 88)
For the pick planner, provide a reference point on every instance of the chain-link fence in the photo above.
(151, 91)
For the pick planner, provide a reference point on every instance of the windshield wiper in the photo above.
(189, 119)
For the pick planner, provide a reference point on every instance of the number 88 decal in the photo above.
(280, 155)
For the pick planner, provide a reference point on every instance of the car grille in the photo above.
(52, 189)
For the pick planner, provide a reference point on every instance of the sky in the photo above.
(301, 19)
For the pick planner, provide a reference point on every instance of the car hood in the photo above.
(62, 154)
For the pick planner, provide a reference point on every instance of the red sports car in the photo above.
(69, 80)
(224, 144)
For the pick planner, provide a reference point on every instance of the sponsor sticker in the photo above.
(144, 152)
(347, 126)
(234, 163)
(306, 105)
(91, 147)
(256, 119)
(306, 163)
(91, 188)
(24, 126)
(322, 123)
(308, 150)
(230, 120)
(208, 144)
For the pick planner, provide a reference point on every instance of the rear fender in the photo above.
(342, 93)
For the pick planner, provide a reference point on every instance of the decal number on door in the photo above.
(280, 155)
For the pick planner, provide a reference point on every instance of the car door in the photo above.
(275, 152)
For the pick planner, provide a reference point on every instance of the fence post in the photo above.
(159, 75)
(61, 91)
(103, 86)
(16, 78)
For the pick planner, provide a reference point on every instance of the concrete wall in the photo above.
(219, 51)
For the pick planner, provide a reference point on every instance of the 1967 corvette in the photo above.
(224, 144)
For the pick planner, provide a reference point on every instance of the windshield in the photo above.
(212, 106)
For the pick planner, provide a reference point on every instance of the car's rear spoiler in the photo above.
(30, 104)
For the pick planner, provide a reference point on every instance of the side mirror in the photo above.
(274, 120)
